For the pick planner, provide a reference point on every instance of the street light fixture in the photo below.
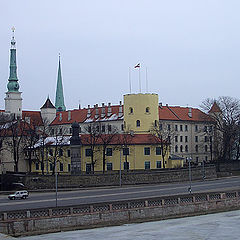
(190, 174)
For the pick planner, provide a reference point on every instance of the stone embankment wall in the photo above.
(39, 221)
(112, 178)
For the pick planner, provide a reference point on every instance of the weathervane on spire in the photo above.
(13, 42)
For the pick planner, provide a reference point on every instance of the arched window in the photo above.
(176, 148)
(130, 110)
(181, 148)
(155, 123)
(138, 123)
(147, 109)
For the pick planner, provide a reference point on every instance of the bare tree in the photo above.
(226, 132)
(164, 135)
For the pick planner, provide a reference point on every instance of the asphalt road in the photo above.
(97, 195)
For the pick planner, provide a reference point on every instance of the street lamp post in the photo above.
(203, 170)
(56, 182)
(120, 170)
(190, 175)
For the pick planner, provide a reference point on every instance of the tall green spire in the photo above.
(13, 85)
(59, 101)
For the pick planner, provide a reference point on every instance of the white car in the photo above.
(18, 195)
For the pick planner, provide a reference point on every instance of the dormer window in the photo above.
(130, 110)
(147, 110)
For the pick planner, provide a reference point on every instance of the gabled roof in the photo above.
(48, 104)
(215, 108)
(81, 115)
(176, 113)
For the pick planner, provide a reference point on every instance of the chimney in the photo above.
(88, 112)
(120, 113)
(190, 112)
(166, 105)
(160, 105)
(69, 115)
(109, 110)
(103, 111)
(97, 112)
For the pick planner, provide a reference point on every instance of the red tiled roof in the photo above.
(35, 117)
(80, 115)
(182, 113)
(215, 108)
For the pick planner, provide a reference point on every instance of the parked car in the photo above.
(19, 195)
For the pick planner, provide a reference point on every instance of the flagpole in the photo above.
(146, 81)
(129, 78)
(139, 81)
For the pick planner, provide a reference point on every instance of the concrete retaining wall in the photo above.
(112, 178)
(36, 221)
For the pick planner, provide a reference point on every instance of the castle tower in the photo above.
(140, 112)
(59, 101)
(48, 111)
(13, 99)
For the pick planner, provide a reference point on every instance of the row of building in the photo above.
(138, 133)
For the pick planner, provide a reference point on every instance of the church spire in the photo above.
(59, 101)
(13, 85)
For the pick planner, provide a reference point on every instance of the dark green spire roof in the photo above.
(59, 101)
(13, 85)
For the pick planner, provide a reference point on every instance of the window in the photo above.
(61, 167)
(205, 139)
(103, 128)
(186, 148)
(206, 148)
(122, 127)
(50, 152)
(186, 138)
(109, 128)
(37, 166)
(60, 131)
(176, 128)
(158, 164)
(155, 123)
(176, 148)
(109, 151)
(205, 128)
(181, 138)
(186, 128)
(52, 131)
(147, 151)
(147, 109)
(196, 138)
(181, 148)
(109, 166)
(68, 153)
(206, 158)
(60, 152)
(97, 128)
(126, 165)
(51, 166)
(158, 150)
(169, 127)
(138, 123)
(80, 130)
(69, 167)
(210, 128)
(181, 128)
(196, 128)
(176, 138)
(130, 110)
(88, 168)
(125, 151)
(88, 152)
(89, 129)
(210, 139)
(196, 148)
(197, 159)
(147, 165)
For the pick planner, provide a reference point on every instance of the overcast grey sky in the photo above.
(190, 47)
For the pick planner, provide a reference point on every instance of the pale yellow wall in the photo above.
(139, 103)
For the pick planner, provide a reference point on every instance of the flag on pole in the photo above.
(137, 66)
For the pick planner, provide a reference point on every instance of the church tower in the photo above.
(59, 101)
(13, 99)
